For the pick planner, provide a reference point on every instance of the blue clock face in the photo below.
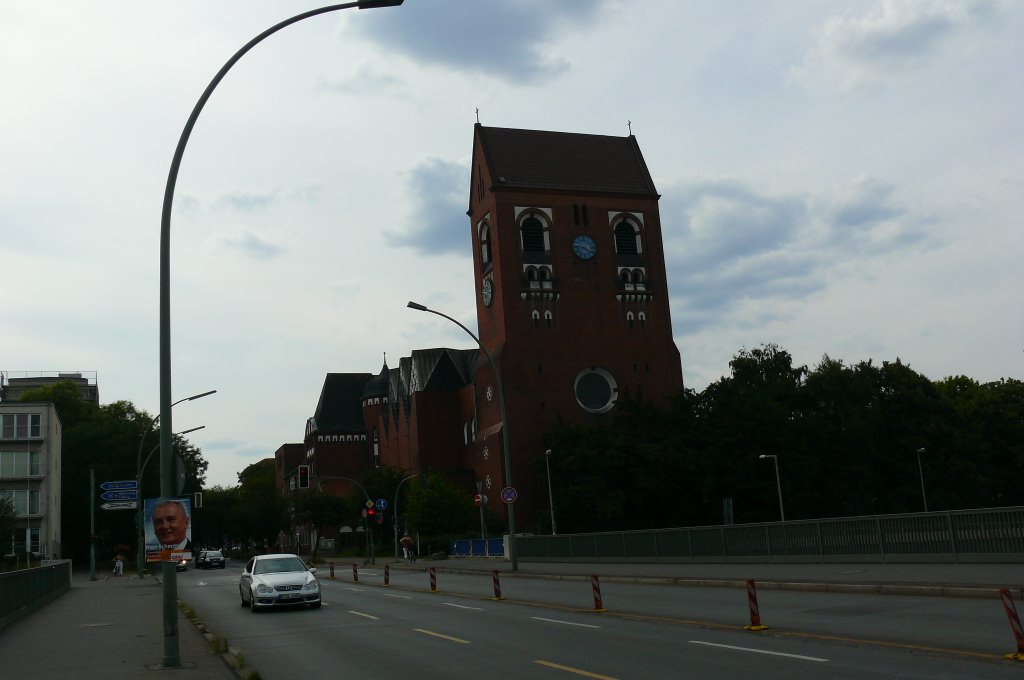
(584, 247)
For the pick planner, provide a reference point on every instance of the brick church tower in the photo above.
(572, 298)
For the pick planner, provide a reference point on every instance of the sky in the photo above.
(840, 178)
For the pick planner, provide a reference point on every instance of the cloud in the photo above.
(896, 36)
(246, 202)
(438, 194)
(365, 81)
(252, 246)
(503, 39)
(742, 249)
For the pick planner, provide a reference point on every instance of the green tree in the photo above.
(319, 511)
(438, 509)
(261, 513)
(104, 440)
(8, 515)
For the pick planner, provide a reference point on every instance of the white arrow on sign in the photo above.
(120, 505)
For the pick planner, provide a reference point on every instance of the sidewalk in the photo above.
(108, 629)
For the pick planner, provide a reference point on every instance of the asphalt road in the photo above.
(548, 629)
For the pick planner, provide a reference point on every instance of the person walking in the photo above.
(119, 565)
(407, 547)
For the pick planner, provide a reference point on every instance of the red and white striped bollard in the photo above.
(497, 586)
(1011, 613)
(433, 581)
(755, 614)
(595, 585)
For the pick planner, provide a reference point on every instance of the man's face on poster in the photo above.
(170, 523)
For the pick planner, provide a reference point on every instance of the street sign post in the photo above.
(124, 484)
(119, 505)
(120, 495)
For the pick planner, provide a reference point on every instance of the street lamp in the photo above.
(139, 466)
(920, 472)
(551, 498)
(778, 481)
(172, 655)
(504, 428)
(394, 510)
(369, 504)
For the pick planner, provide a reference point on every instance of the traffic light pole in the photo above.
(369, 533)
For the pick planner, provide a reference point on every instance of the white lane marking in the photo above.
(404, 597)
(758, 651)
(200, 583)
(461, 606)
(568, 623)
(358, 590)
(369, 616)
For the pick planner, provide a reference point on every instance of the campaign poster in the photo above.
(168, 523)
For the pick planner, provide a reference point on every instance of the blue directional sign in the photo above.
(120, 495)
(382, 504)
(123, 484)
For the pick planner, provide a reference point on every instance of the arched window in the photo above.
(532, 230)
(531, 277)
(544, 274)
(626, 238)
(639, 280)
(485, 244)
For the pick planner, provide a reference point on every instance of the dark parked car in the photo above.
(210, 559)
(181, 564)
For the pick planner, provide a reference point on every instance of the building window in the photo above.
(26, 501)
(627, 237)
(534, 235)
(485, 244)
(20, 426)
(596, 390)
(629, 318)
(19, 464)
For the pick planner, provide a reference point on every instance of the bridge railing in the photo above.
(27, 589)
(984, 535)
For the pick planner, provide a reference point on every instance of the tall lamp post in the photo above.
(369, 532)
(513, 558)
(920, 472)
(172, 655)
(394, 510)
(551, 497)
(778, 481)
(139, 466)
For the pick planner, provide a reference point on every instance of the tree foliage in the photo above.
(106, 440)
(846, 440)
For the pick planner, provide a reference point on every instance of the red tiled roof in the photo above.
(534, 159)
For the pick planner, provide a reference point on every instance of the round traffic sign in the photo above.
(509, 494)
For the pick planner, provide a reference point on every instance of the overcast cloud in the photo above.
(838, 178)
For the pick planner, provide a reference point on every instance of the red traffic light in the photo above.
(371, 512)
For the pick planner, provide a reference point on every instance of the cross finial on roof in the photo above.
(629, 125)
(478, 115)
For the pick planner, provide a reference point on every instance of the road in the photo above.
(548, 629)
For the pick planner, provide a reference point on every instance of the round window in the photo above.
(596, 390)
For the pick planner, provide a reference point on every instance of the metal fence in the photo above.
(27, 589)
(989, 535)
(477, 547)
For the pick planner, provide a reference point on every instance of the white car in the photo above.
(277, 581)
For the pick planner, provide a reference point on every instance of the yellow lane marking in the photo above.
(369, 616)
(570, 669)
(446, 637)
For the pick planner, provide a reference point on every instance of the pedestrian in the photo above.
(119, 565)
(407, 547)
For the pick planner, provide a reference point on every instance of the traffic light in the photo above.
(370, 512)
(303, 476)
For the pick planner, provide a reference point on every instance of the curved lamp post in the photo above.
(394, 510)
(778, 481)
(920, 472)
(172, 656)
(513, 558)
(139, 467)
(369, 533)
